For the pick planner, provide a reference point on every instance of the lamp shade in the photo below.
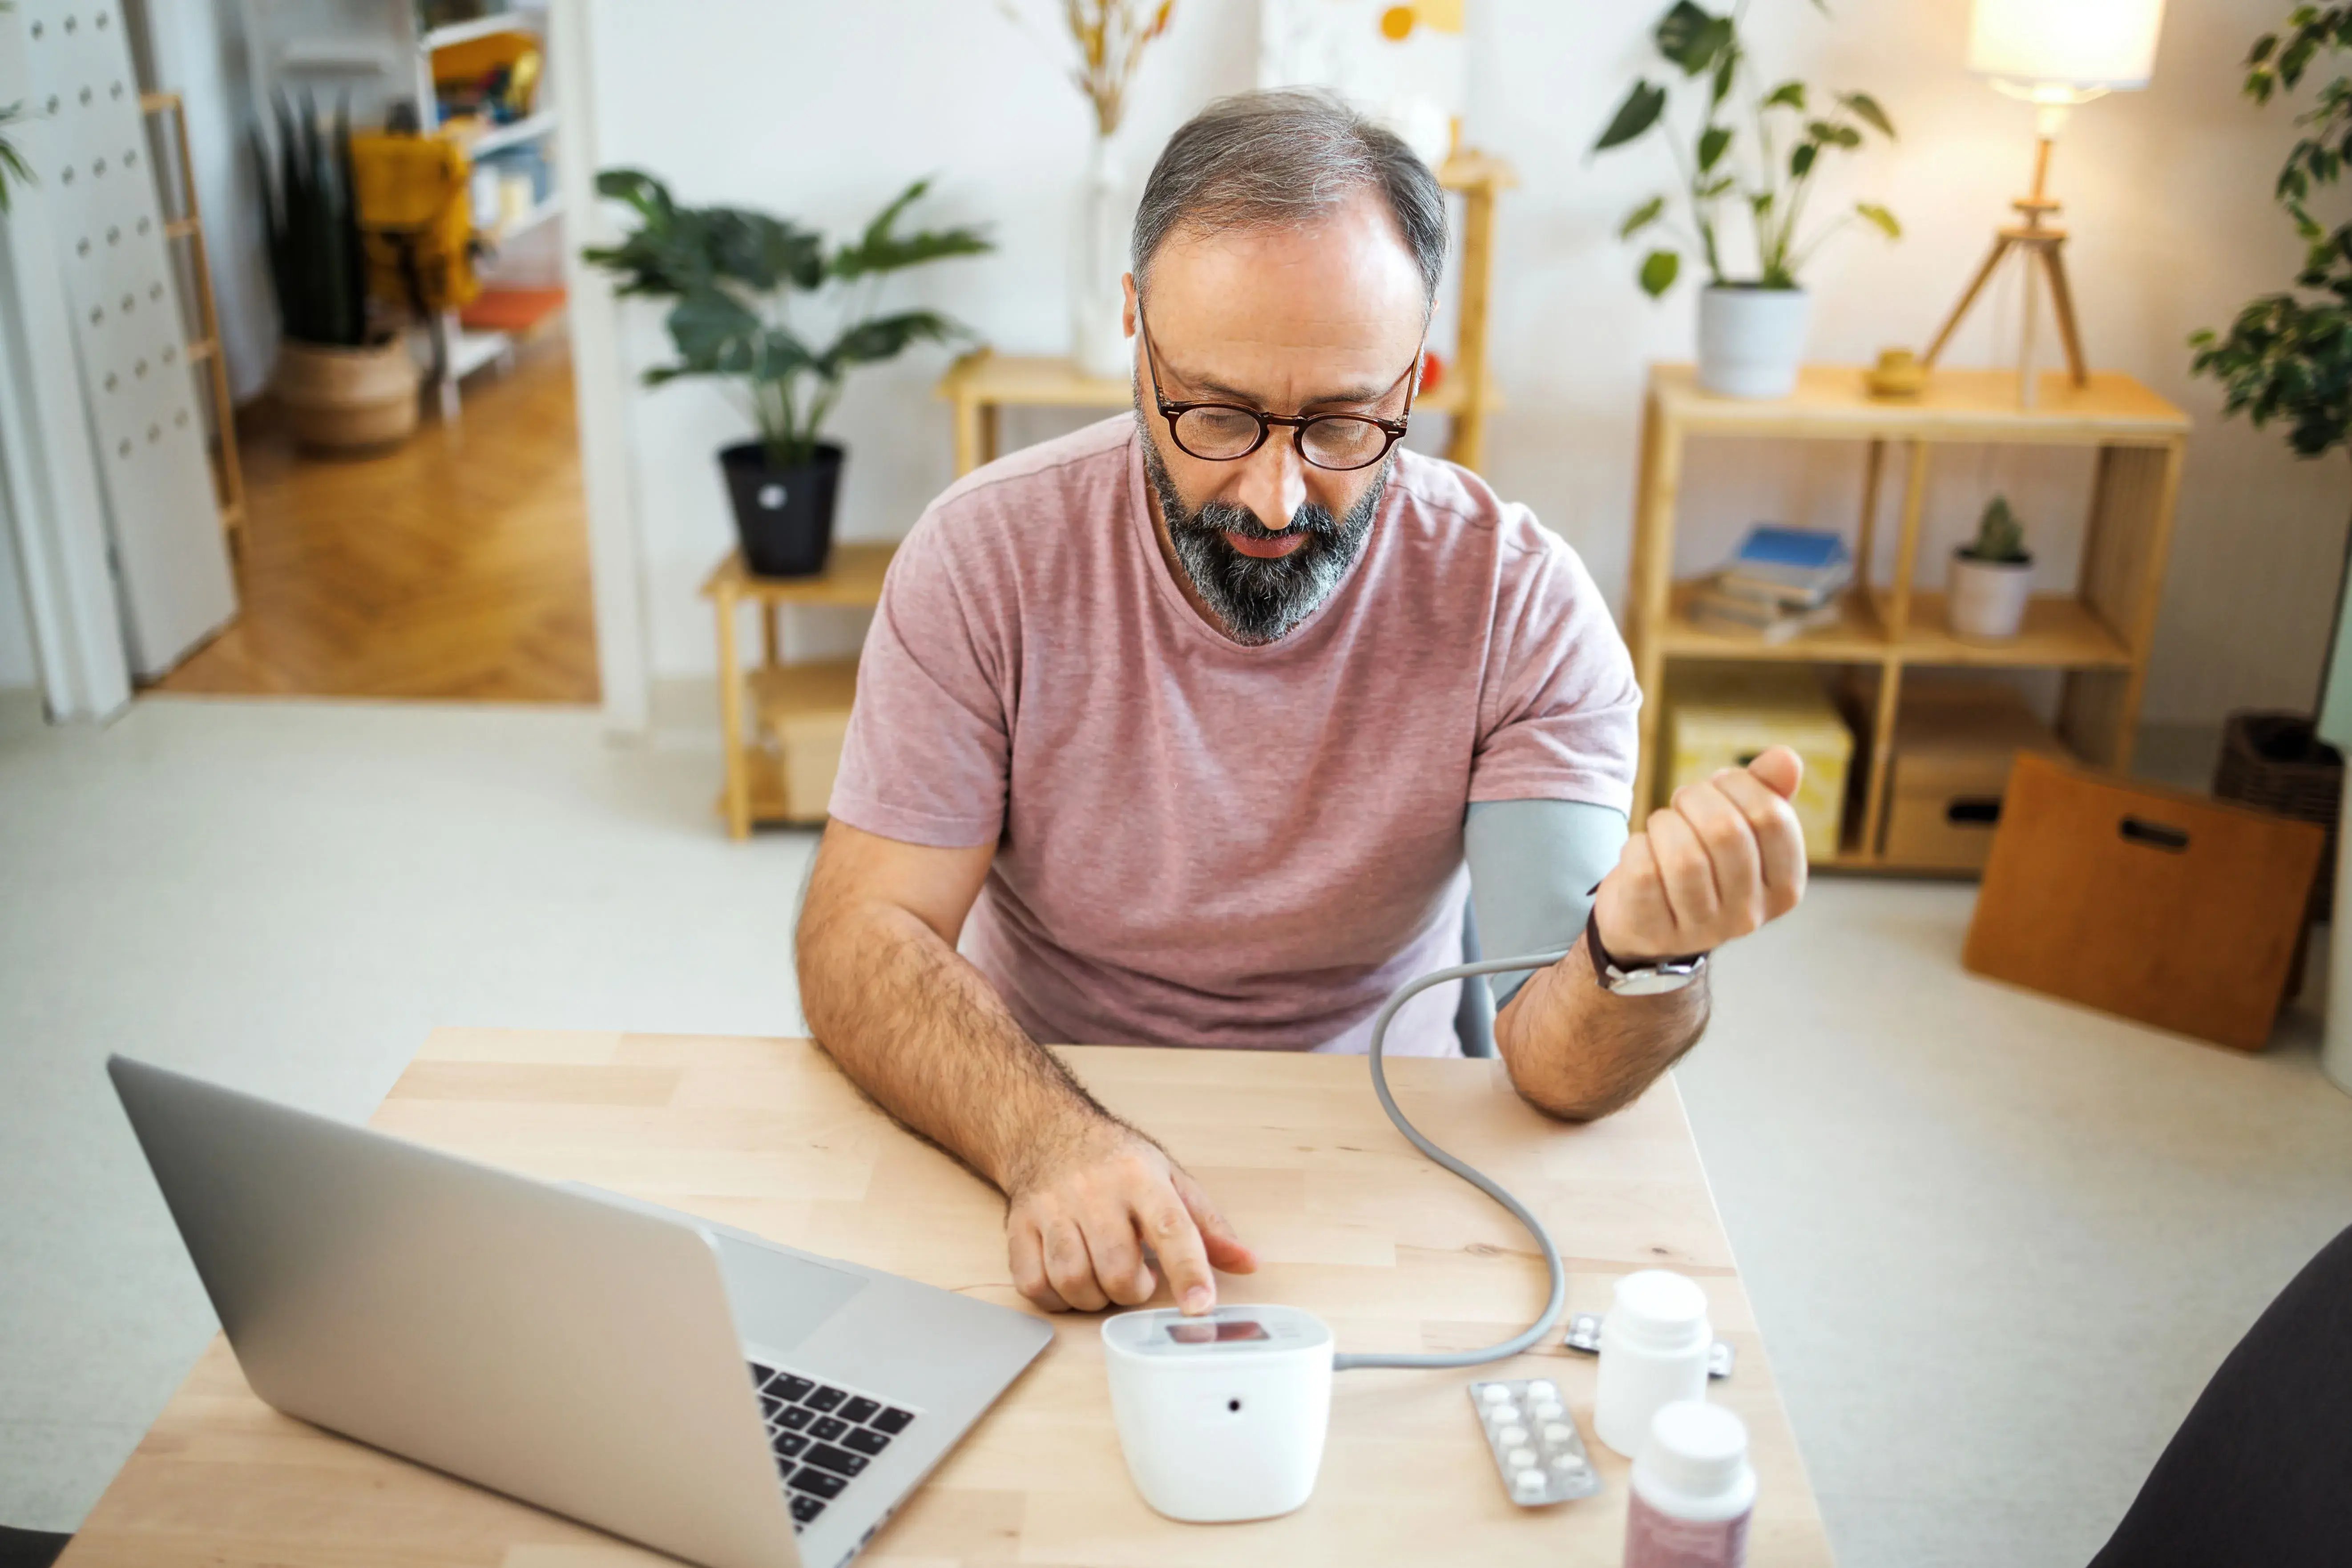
(2085, 44)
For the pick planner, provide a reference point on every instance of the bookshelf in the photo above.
(2097, 637)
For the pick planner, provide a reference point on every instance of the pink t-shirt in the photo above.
(1205, 844)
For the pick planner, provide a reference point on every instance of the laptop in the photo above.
(692, 1388)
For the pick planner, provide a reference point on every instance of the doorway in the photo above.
(453, 564)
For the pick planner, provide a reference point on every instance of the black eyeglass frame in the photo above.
(1297, 424)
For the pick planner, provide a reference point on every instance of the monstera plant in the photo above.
(732, 276)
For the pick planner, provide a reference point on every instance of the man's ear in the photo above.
(1126, 304)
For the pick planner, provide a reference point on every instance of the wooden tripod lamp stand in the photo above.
(2054, 54)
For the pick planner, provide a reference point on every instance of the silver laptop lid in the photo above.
(558, 1349)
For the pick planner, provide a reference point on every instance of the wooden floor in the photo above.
(454, 567)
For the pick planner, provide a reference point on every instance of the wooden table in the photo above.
(1348, 1221)
(781, 727)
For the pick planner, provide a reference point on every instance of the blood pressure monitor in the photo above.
(1222, 1417)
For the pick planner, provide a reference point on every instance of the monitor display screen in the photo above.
(1224, 1331)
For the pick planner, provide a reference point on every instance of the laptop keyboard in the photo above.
(823, 1436)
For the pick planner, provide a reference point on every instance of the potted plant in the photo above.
(1992, 576)
(2288, 357)
(732, 274)
(345, 384)
(1759, 150)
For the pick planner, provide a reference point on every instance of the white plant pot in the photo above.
(1097, 262)
(1987, 602)
(1750, 340)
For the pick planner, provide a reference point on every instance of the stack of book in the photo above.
(1781, 581)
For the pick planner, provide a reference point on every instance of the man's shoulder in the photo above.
(986, 531)
(1046, 478)
(1446, 500)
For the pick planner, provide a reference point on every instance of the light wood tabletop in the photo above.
(1348, 1220)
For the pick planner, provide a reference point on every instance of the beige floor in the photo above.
(1997, 1244)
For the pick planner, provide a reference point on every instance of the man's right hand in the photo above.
(1081, 1216)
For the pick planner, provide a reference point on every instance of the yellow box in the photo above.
(1722, 718)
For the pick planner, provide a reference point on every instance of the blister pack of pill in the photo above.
(1534, 1440)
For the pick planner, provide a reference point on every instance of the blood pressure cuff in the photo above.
(1533, 864)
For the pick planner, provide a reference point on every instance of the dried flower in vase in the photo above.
(1111, 36)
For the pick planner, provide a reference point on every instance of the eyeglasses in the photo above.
(1223, 432)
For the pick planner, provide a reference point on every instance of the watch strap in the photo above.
(1607, 970)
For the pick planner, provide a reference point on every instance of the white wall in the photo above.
(820, 111)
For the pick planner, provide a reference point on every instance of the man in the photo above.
(1193, 715)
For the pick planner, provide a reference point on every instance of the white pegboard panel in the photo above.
(92, 168)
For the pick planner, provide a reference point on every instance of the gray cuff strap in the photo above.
(1533, 864)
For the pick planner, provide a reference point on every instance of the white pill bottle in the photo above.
(1654, 1350)
(1692, 1491)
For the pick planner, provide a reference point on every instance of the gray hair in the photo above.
(1273, 159)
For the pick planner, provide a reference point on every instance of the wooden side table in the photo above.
(981, 383)
(2098, 636)
(781, 768)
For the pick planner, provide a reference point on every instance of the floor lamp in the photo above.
(2054, 54)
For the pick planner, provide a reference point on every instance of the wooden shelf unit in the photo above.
(981, 383)
(2099, 636)
(799, 706)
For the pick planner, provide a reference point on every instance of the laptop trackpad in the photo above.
(779, 1299)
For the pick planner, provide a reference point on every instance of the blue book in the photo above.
(1797, 563)
(1790, 549)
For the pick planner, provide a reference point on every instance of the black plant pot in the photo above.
(783, 516)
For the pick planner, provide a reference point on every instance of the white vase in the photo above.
(1097, 262)
(1751, 340)
(1987, 602)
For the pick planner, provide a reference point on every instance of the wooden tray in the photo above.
(2168, 908)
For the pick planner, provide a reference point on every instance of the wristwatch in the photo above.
(1641, 979)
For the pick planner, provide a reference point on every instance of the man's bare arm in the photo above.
(1720, 861)
(1579, 1053)
(916, 1025)
(927, 1036)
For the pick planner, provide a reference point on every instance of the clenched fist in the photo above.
(1719, 861)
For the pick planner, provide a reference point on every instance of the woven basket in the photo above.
(2273, 762)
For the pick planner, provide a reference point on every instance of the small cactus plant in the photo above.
(2001, 536)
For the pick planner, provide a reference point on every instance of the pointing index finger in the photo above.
(1176, 1241)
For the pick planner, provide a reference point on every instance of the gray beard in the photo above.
(1260, 601)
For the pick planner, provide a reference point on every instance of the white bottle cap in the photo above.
(1696, 1449)
(1658, 1309)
